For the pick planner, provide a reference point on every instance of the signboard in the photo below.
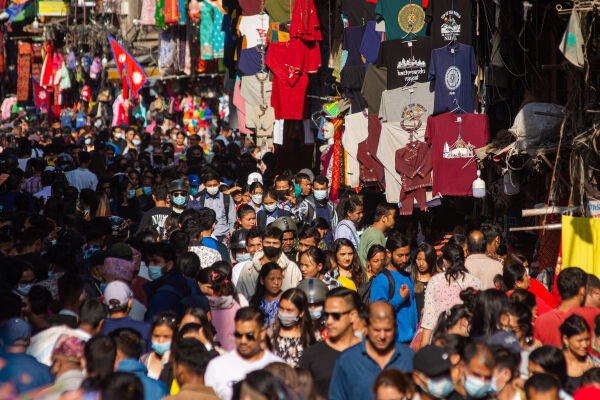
(53, 8)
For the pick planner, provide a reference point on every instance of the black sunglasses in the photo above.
(335, 315)
(250, 336)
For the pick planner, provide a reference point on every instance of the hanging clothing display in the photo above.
(453, 139)
(370, 43)
(207, 12)
(254, 29)
(414, 164)
(218, 39)
(371, 169)
(402, 18)
(450, 21)
(410, 105)
(251, 92)
(453, 67)
(279, 10)
(581, 243)
(373, 86)
(351, 42)
(355, 131)
(406, 62)
(358, 11)
(24, 71)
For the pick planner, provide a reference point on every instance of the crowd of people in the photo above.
(151, 265)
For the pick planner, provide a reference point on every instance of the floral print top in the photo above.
(290, 349)
(270, 308)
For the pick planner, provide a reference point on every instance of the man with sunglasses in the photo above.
(225, 371)
(357, 368)
(339, 312)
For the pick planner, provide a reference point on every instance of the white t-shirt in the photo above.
(225, 371)
(236, 271)
(82, 179)
(255, 28)
(357, 130)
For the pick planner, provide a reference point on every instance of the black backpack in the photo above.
(365, 290)
(201, 197)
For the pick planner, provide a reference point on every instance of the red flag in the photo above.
(41, 96)
(136, 75)
(47, 75)
(119, 53)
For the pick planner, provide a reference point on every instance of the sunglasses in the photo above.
(335, 315)
(250, 336)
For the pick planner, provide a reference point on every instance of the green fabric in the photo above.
(27, 13)
(279, 10)
(159, 14)
(399, 15)
(369, 237)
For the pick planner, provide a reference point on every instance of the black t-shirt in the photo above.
(319, 359)
(406, 61)
(446, 24)
(155, 218)
(351, 41)
(352, 79)
(359, 11)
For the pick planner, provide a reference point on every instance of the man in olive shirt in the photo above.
(385, 218)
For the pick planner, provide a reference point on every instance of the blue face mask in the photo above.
(476, 387)
(136, 142)
(439, 387)
(494, 386)
(161, 348)
(194, 191)
(88, 141)
(131, 194)
(155, 272)
(147, 190)
(179, 200)
(24, 288)
(103, 287)
(320, 194)
(50, 273)
(243, 257)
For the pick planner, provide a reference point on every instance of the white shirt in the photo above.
(255, 28)
(357, 130)
(225, 371)
(82, 179)
(236, 271)
(42, 344)
(45, 193)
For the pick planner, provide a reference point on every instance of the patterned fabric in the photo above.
(207, 256)
(159, 15)
(331, 281)
(69, 346)
(171, 11)
(24, 71)
(207, 12)
(90, 249)
(290, 349)
(167, 50)
(147, 16)
(270, 309)
(119, 268)
(33, 184)
(218, 38)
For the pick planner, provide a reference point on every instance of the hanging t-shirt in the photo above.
(352, 79)
(370, 166)
(374, 84)
(250, 61)
(358, 11)
(448, 23)
(279, 10)
(411, 106)
(453, 139)
(402, 17)
(406, 61)
(356, 130)
(250, 7)
(453, 68)
(369, 46)
(254, 29)
(351, 41)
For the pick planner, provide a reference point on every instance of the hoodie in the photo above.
(246, 284)
(153, 389)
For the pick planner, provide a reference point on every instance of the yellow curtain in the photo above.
(581, 243)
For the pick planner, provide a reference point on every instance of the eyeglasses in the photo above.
(335, 315)
(250, 336)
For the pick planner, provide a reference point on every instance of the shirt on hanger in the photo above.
(369, 46)
(453, 68)
(402, 17)
(454, 164)
(254, 29)
(356, 130)
(351, 41)
(352, 79)
(370, 166)
(358, 11)
(250, 7)
(250, 91)
(406, 61)
(450, 20)
(411, 105)
(374, 84)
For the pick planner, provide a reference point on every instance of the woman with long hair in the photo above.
(292, 331)
(376, 257)
(453, 321)
(313, 263)
(425, 263)
(346, 266)
(443, 290)
(576, 339)
(163, 331)
(352, 216)
(549, 360)
(268, 291)
(487, 307)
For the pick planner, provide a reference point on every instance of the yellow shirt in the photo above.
(347, 283)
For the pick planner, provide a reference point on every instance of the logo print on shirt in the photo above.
(413, 116)
(452, 78)
(411, 18)
(411, 69)
(450, 28)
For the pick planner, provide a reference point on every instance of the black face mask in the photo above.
(272, 252)
(282, 194)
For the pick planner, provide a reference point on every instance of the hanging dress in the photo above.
(207, 11)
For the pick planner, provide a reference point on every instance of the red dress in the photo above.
(305, 33)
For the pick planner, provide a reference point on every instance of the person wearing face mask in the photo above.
(179, 192)
(324, 208)
(339, 311)
(431, 373)
(476, 370)
(352, 215)
(222, 204)
(315, 291)
(272, 238)
(292, 331)
(244, 255)
(194, 183)
(256, 195)
(285, 192)
(505, 372)
(155, 217)
(162, 331)
(270, 210)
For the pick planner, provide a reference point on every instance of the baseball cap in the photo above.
(506, 340)
(117, 294)
(254, 177)
(432, 361)
(308, 172)
(86, 93)
(16, 332)
(194, 180)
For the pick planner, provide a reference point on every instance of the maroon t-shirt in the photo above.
(454, 167)
(370, 166)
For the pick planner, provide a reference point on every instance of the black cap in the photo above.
(432, 361)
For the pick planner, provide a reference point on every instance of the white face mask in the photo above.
(257, 198)
(212, 190)
(320, 194)
(270, 208)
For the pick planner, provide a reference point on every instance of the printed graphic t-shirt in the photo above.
(448, 23)
(453, 69)
(359, 11)
(454, 165)
(406, 61)
(254, 28)
(411, 106)
(401, 17)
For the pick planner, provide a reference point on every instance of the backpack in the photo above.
(186, 299)
(365, 290)
(202, 197)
